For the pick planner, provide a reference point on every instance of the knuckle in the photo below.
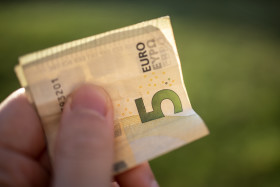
(12, 169)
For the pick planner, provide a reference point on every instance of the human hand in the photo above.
(83, 150)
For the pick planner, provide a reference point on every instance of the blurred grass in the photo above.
(231, 67)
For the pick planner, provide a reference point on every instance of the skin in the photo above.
(83, 153)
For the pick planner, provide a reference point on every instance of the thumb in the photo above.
(84, 148)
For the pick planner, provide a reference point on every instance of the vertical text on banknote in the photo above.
(149, 55)
(58, 92)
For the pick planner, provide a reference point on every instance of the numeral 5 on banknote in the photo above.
(156, 104)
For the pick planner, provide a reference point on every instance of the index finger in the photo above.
(140, 176)
(20, 128)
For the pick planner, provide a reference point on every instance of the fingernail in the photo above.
(115, 184)
(154, 183)
(90, 97)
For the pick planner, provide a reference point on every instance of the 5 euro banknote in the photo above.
(139, 67)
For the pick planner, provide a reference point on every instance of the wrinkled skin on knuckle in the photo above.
(13, 169)
(18, 170)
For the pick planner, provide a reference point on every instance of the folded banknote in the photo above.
(139, 67)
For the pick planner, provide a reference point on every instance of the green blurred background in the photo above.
(230, 55)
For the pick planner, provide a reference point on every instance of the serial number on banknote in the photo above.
(58, 92)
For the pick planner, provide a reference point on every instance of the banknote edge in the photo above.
(32, 57)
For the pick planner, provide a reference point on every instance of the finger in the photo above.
(140, 176)
(84, 147)
(20, 126)
(115, 184)
(45, 162)
(18, 170)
